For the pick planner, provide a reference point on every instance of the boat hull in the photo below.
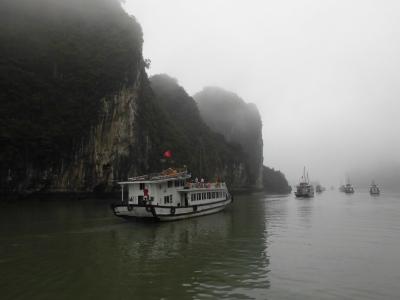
(301, 195)
(168, 213)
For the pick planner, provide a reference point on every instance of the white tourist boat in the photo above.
(170, 195)
(304, 189)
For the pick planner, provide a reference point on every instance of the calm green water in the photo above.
(334, 246)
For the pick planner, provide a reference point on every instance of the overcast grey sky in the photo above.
(323, 73)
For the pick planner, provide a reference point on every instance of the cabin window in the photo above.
(141, 186)
(213, 195)
(169, 184)
(198, 196)
(167, 199)
(177, 183)
(182, 182)
(193, 197)
(209, 195)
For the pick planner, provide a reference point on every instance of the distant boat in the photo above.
(319, 188)
(304, 188)
(374, 189)
(348, 189)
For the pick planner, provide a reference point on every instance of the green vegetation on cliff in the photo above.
(275, 182)
(191, 140)
(57, 59)
(239, 122)
(77, 110)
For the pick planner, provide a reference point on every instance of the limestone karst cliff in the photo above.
(238, 122)
(275, 181)
(71, 82)
(78, 111)
(193, 142)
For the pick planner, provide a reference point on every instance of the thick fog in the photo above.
(324, 74)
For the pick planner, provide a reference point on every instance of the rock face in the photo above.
(72, 83)
(275, 182)
(77, 110)
(239, 122)
(194, 144)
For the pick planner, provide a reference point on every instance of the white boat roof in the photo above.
(167, 175)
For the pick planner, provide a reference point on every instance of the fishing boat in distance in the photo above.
(319, 189)
(348, 188)
(170, 195)
(304, 189)
(374, 189)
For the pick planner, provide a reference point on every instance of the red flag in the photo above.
(168, 154)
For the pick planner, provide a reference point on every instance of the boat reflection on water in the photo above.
(214, 256)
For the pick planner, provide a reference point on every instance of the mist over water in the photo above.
(324, 74)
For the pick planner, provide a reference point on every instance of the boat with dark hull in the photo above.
(304, 189)
(170, 195)
(374, 189)
(348, 189)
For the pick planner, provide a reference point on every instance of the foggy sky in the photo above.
(324, 74)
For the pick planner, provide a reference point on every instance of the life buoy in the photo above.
(130, 207)
(172, 210)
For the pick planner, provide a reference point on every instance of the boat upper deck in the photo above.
(166, 175)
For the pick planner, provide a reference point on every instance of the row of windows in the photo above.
(207, 195)
(177, 183)
(170, 183)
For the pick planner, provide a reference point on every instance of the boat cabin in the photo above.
(171, 188)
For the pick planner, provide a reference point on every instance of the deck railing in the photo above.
(203, 185)
(162, 175)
